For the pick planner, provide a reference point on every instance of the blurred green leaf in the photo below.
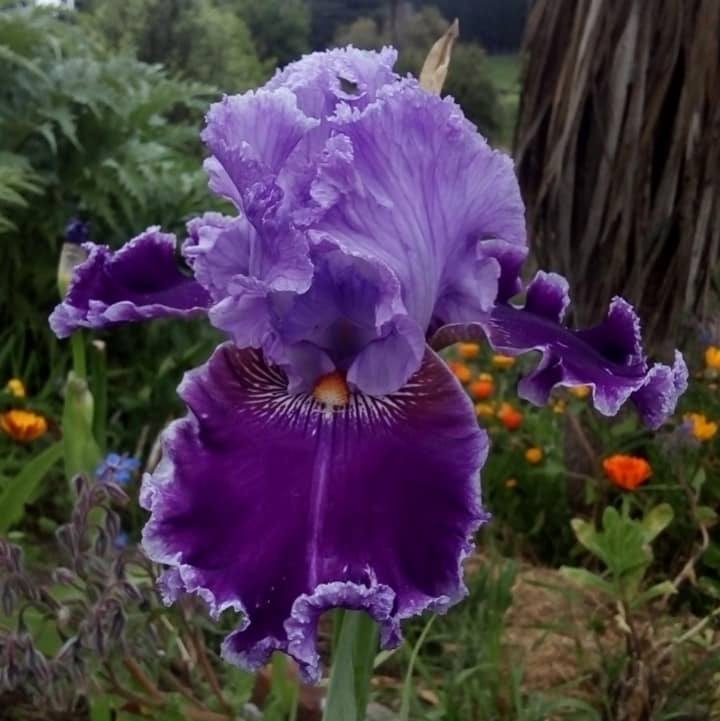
(587, 579)
(625, 427)
(698, 479)
(352, 667)
(711, 586)
(659, 589)
(587, 535)
(656, 520)
(408, 686)
(20, 489)
(101, 708)
(711, 557)
(705, 514)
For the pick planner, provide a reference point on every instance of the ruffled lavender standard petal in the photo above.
(347, 314)
(282, 507)
(411, 182)
(252, 276)
(226, 252)
(212, 255)
(251, 137)
(264, 143)
(343, 75)
(608, 358)
(142, 280)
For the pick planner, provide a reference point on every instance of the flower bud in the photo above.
(16, 387)
(72, 253)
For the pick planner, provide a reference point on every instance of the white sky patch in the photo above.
(57, 3)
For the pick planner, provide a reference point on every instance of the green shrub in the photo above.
(202, 40)
(82, 133)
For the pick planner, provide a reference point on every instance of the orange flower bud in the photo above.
(485, 410)
(461, 371)
(503, 362)
(16, 387)
(468, 351)
(511, 483)
(534, 455)
(512, 419)
(482, 389)
(712, 357)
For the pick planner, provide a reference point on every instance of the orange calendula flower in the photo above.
(511, 483)
(700, 426)
(534, 455)
(627, 472)
(461, 371)
(482, 389)
(712, 357)
(580, 391)
(468, 351)
(23, 426)
(503, 362)
(16, 387)
(510, 417)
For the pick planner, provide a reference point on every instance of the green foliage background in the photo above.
(83, 132)
(203, 40)
(100, 118)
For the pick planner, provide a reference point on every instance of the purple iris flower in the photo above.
(329, 458)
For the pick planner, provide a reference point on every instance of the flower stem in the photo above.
(77, 344)
(349, 688)
(98, 383)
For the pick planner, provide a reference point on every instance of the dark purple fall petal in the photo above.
(282, 507)
(657, 397)
(140, 281)
(608, 357)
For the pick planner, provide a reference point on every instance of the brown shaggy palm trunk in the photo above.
(618, 153)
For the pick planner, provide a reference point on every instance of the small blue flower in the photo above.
(121, 540)
(116, 468)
